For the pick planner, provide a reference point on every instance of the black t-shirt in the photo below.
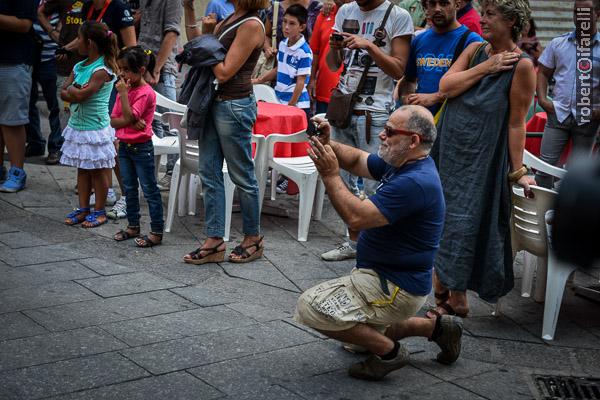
(17, 48)
(117, 16)
(70, 19)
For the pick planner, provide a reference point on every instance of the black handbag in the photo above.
(341, 105)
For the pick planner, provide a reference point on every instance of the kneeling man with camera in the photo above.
(400, 228)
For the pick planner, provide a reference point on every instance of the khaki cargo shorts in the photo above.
(341, 303)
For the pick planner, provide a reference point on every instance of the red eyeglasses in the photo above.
(389, 132)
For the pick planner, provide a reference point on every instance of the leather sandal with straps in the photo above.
(449, 311)
(146, 242)
(212, 255)
(124, 234)
(242, 251)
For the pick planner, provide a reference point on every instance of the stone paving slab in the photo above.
(503, 383)
(6, 228)
(174, 386)
(119, 285)
(100, 311)
(67, 376)
(498, 328)
(339, 385)
(176, 325)
(271, 393)
(204, 297)
(40, 274)
(104, 267)
(51, 347)
(38, 255)
(278, 367)
(199, 350)
(261, 271)
(17, 240)
(17, 325)
(444, 390)
(260, 313)
(51, 294)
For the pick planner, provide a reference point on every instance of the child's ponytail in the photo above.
(105, 40)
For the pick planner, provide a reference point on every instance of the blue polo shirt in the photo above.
(411, 199)
(431, 55)
(222, 8)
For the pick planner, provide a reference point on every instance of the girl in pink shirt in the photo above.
(132, 118)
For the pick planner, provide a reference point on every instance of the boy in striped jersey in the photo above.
(294, 61)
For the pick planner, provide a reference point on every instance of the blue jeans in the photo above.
(167, 87)
(355, 136)
(44, 74)
(228, 135)
(137, 164)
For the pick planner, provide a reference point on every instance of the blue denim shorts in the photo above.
(15, 86)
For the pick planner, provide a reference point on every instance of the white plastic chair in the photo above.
(264, 93)
(168, 144)
(530, 229)
(169, 104)
(558, 275)
(530, 262)
(301, 170)
(275, 175)
(185, 180)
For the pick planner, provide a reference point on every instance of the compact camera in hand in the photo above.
(313, 129)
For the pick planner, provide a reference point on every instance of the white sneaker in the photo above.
(343, 252)
(111, 198)
(164, 185)
(119, 210)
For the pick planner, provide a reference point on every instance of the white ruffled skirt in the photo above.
(89, 149)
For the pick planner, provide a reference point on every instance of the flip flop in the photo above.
(213, 255)
(449, 311)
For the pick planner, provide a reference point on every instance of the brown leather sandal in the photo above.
(449, 311)
(243, 252)
(146, 242)
(212, 255)
(123, 234)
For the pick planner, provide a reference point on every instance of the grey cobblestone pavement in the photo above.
(85, 317)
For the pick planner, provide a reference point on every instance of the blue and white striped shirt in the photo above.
(293, 61)
(49, 45)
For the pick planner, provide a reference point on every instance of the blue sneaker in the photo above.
(15, 181)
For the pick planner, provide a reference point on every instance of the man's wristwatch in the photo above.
(518, 174)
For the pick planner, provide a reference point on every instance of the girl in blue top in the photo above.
(89, 137)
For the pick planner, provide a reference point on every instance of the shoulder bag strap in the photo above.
(379, 36)
(274, 24)
(238, 24)
(460, 46)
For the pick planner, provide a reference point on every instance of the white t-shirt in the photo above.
(377, 91)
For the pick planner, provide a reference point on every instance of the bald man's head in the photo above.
(416, 119)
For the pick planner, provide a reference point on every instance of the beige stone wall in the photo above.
(200, 6)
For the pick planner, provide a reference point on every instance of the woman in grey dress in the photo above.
(479, 152)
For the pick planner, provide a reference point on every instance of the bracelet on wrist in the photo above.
(514, 176)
